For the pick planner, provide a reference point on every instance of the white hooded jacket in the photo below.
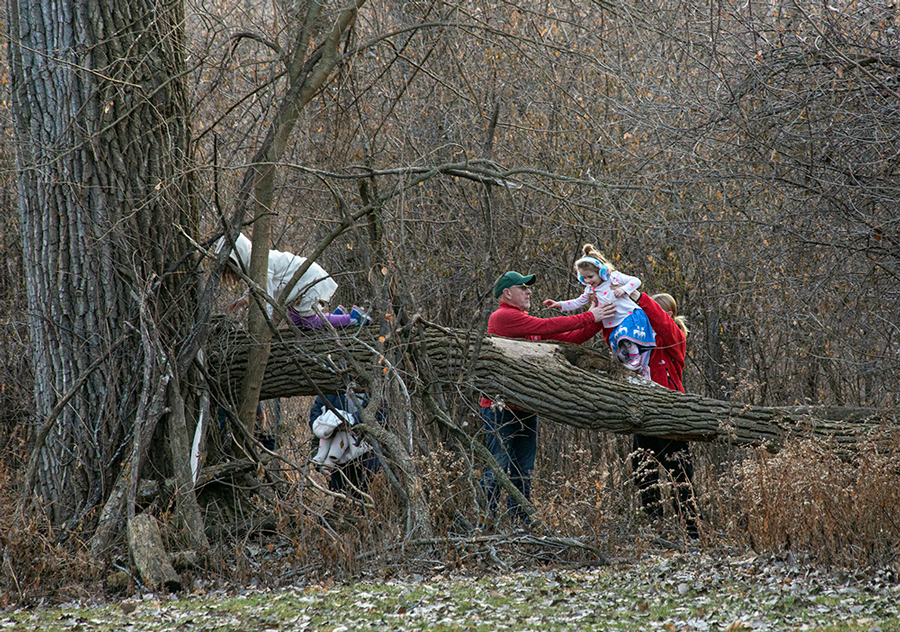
(314, 286)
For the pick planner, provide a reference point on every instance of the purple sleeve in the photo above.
(339, 320)
(314, 322)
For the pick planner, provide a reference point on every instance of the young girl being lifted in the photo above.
(631, 338)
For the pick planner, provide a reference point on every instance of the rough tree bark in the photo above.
(102, 137)
(562, 383)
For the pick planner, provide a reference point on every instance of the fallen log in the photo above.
(150, 558)
(568, 384)
(571, 385)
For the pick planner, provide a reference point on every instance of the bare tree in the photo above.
(740, 157)
(102, 135)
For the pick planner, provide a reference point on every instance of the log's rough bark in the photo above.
(291, 361)
(562, 383)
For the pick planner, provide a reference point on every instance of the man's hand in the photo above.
(606, 310)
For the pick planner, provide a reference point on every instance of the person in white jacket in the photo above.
(314, 289)
(631, 337)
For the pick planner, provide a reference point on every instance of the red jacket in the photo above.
(667, 359)
(511, 322)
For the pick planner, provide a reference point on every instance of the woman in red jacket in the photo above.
(666, 369)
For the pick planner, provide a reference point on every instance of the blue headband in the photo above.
(602, 268)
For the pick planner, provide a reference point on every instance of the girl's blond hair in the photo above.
(667, 302)
(588, 250)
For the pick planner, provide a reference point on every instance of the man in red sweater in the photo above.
(511, 434)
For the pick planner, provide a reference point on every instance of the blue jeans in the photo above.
(511, 437)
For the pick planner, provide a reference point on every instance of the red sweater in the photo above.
(511, 322)
(667, 359)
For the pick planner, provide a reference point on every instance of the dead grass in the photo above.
(37, 564)
(807, 501)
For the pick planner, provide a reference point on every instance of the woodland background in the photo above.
(741, 156)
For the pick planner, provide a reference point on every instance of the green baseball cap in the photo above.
(509, 279)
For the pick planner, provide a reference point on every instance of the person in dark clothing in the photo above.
(666, 369)
(349, 461)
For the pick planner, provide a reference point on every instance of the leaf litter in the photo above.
(670, 592)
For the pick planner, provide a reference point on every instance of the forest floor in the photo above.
(674, 591)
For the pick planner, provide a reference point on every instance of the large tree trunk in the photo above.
(562, 383)
(102, 139)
